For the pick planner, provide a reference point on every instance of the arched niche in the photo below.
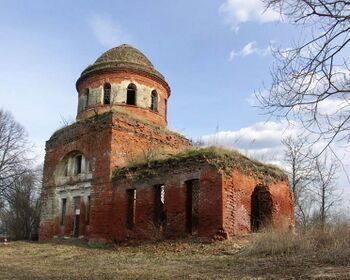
(107, 93)
(73, 167)
(131, 94)
(261, 208)
(154, 101)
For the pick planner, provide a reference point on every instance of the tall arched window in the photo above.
(154, 101)
(87, 94)
(131, 95)
(107, 93)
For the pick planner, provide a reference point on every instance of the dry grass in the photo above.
(258, 256)
(146, 157)
(152, 164)
(330, 245)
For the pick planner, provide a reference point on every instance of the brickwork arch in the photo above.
(261, 208)
(74, 166)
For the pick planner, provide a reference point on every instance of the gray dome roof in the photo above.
(124, 54)
(125, 58)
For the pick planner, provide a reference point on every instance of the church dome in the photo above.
(123, 79)
(123, 57)
(124, 54)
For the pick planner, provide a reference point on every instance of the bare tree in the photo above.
(324, 188)
(22, 210)
(312, 180)
(311, 80)
(300, 172)
(13, 152)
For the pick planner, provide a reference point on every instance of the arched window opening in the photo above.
(261, 208)
(87, 94)
(154, 101)
(131, 95)
(74, 166)
(78, 164)
(65, 171)
(107, 93)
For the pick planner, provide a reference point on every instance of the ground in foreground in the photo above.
(74, 259)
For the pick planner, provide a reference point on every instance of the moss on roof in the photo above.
(125, 53)
(221, 158)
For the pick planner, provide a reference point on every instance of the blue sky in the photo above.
(46, 46)
(214, 55)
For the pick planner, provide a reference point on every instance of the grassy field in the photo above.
(258, 256)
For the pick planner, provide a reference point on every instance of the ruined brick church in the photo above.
(119, 173)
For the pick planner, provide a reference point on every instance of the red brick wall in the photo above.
(110, 140)
(209, 204)
(283, 214)
(107, 141)
(95, 145)
(99, 79)
(131, 138)
(175, 208)
(238, 189)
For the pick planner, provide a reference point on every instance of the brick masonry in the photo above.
(119, 82)
(108, 140)
(80, 160)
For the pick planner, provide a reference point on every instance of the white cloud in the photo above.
(107, 32)
(250, 49)
(332, 106)
(262, 141)
(237, 12)
(261, 138)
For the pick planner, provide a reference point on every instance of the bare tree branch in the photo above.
(300, 172)
(312, 180)
(326, 194)
(311, 81)
(14, 160)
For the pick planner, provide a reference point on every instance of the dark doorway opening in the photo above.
(192, 195)
(261, 208)
(131, 197)
(76, 220)
(88, 210)
(159, 212)
(63, 210)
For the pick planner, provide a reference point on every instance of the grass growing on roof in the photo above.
(221, 158)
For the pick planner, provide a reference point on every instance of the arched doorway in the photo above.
(261, 208)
